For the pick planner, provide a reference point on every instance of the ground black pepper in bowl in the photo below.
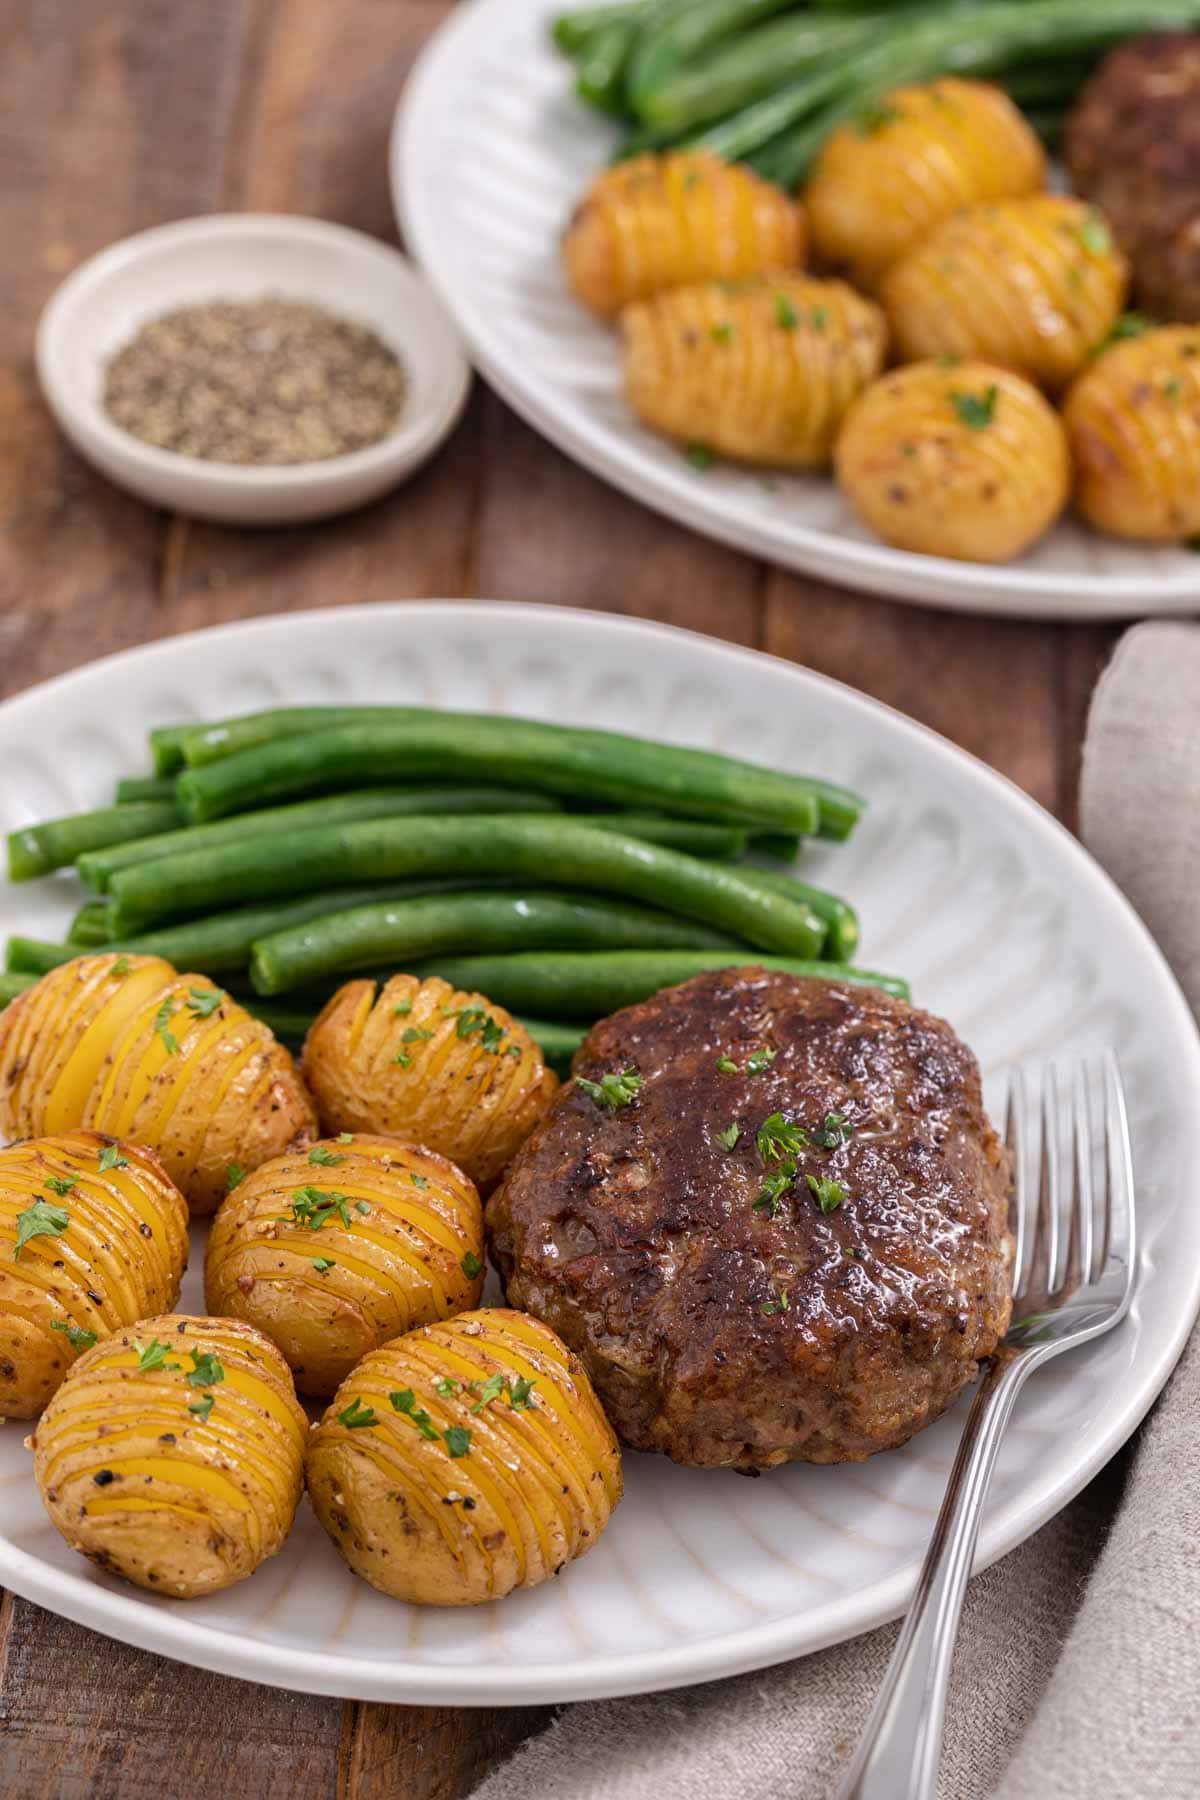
(266, 381)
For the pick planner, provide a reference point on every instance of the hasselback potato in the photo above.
(173, 1454)
(1133, 420)
(92, 1237)
(124, 1045)
(881, 184)
(657, 222)
(763, 371)
(1032, 284)
(968, 461)
(419, 1061)
(464, 1460)
(335, 1251)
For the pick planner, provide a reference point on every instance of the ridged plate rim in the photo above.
(142, 1621)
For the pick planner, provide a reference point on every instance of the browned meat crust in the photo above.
(633, 1232)
(1132, 145)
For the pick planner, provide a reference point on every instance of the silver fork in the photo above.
(1073, 1278)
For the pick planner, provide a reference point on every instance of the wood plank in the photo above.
(140, 93)
(431, 1752)
(548, 530)
(312, 137)
(991, 685)
(85, 1718)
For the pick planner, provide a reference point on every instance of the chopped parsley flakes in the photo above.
(324, 1156)
(356, 1416)
(775, 1187)
(76, 1336)
(829, 1193)
(976, 410)
(777, 1138)
(60, 1184)
(612, 1090)
(471, 1265)
(111, 1158)
(203, 1002)
(313, 1206)
(40, 1220)
(162, 1024)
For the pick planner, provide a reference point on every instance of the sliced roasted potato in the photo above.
(464, 1460)
(884, 182)
(763, 371)
(173, 1454)
(658, 222)
(125, 1046)
(416, 1060)
(1133, 420)
(969, 461)
(1033, 284)
(92, 1237)
(335, 1251)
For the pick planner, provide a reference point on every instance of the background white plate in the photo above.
(490, 151)
(1002, 923)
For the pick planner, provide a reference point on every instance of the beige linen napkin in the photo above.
(1077, 1675)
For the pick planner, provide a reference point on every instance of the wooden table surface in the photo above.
(118, 117)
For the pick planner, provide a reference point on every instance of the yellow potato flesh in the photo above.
(878, 189)
(1133, 420)
(968, 462)
(179, 1501)
(657, 222)
(395, 1261)
(120, 1258)
(534, 1488)
(126, 1046)
(763, 372)
(1034, 285)
(393, 1062)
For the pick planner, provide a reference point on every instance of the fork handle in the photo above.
(898, 1756)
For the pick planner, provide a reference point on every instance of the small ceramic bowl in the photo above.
(240, 256)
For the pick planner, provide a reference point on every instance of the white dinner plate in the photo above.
(490, 152)
(1002, 923)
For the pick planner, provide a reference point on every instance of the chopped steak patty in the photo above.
(1132, 144)
(719, 1333)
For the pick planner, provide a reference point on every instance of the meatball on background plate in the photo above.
(790, 1243)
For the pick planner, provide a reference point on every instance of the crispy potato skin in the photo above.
(395, 1060)
(1133, 420)
(121, 1257)
(874, 194)
(91, 1045)
(658, 222)
(924, 479)
(764, 372)
(533, 1490)
(411, 1219)
(1031, 284)
(147, 1488)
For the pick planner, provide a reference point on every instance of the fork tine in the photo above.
(1015, 1136)
(1119, 1236)
(1050, 1199)
(1085, 1198)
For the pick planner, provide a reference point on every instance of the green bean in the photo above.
(748, 68)
(97, 869)
(11, 985)
(403, 930)
(841, 920)
(600, 80)
(665, 59)
(145, 787)
(557, 1039)
(556, 851)
(584, 765)
(37, 849)
(572, 31)
(30, 956)
(92, 925)
(591, 984)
